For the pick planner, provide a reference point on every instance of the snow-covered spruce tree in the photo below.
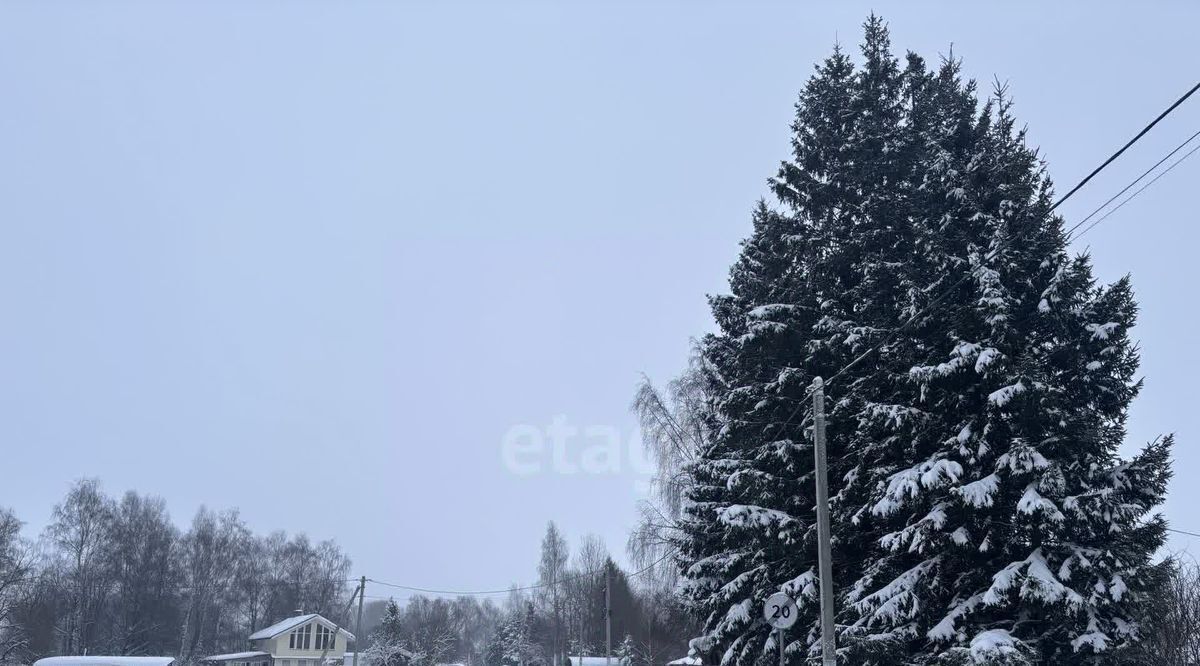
(980, 511)
(388, 644)
(627, 653)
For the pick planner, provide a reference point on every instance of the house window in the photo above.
(324, 638)
(300, 639)
(285, 662)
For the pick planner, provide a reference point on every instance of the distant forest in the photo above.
(116, 576)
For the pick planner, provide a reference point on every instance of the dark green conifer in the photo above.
(981, 513)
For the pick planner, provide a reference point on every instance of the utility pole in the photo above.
(358, 637)
(825, 566)
(650, 638)
(607, 615)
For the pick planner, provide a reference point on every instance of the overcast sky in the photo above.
(317, 260)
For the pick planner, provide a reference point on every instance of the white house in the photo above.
(297, 641)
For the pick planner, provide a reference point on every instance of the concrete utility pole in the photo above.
(362, 590)
(825, 566)
(607, 615)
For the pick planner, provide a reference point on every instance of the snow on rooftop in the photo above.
(98, 660)
(293, 622)
(235, 656)
(594, 661)
(685, 661)
(281, 626)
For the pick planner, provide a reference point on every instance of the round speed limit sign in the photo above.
(780, 611)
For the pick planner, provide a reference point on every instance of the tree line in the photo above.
(562, 615)
(116, 576)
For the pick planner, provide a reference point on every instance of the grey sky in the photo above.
(314, 260)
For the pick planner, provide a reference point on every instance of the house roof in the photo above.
(97, 660)
(234, 656)
(593, 661)
(283, 626)
(685, 661)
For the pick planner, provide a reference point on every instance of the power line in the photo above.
(522, 588)
(1140, 190)
(470, 593)
(1132, 141)
(459, 593)
(991, 255)
(1172, 529)
(1125, 189)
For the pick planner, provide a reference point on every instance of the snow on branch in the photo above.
(979, 493)
(746, 515)
(1003, 396)
(994, 646)
(945, 630)
(897, 601)
(1102, 331)
(894, 416)
(1032, 502)
(1022, 458)
(913, 535)
(1037, 583)
(908, 484)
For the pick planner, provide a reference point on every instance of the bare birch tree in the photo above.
(551, 570)
(16, 570)
(675, 426)
(79, 530)
(1171, 631)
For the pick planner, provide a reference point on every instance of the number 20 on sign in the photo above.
(780, 611)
